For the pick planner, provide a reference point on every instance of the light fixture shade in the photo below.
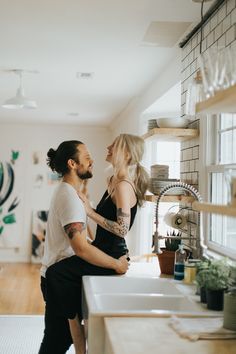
(12, 103)
(19, 101)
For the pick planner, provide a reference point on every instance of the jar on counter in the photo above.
(190, 270)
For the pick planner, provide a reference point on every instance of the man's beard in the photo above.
(84, 175)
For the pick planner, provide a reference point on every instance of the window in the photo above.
(163, 153)
(220, 155)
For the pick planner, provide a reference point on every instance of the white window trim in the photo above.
(205, 159)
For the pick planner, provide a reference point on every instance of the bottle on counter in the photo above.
(180, 256)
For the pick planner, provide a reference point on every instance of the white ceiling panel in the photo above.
(59, 38)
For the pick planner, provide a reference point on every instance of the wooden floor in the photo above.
(20, 292)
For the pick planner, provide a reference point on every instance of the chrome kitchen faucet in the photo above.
(199, 248)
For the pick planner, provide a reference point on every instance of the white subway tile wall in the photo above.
(219, 30)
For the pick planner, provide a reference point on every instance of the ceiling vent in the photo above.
(73, 114)
(84, 75)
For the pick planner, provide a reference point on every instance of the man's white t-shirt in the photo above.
(66, 207)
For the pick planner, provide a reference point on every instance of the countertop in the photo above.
(154, 336)
(144, 269)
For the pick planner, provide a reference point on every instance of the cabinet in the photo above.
(171, 135)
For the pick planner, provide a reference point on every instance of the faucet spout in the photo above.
(200, 246)
(156, 244)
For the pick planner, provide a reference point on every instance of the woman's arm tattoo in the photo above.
(73, 228)
(119, 227)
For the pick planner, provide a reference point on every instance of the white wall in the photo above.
(129, 119)
(30, 138)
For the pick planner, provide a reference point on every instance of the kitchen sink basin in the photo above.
(122, 284)
(139, 303)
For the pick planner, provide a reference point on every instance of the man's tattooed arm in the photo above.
(119, 227)
(73, 228)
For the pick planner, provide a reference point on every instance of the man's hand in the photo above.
(122, 265)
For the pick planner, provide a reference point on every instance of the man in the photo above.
(66, 235)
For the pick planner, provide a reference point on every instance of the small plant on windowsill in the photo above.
(217, 282)
(201, 278)
(167, 257)
(218, 275)
(172, 244)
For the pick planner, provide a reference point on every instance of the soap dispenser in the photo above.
(180, 256)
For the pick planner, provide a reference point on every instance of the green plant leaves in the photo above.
(9, 219)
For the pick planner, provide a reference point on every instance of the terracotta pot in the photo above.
(166, 261)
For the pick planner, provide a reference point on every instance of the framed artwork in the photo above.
(11, 171)
(37, 157)
(39, 222)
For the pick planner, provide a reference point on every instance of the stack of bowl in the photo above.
(160, 179)
(167, 122)
(160, 172)
(152, 123)
(156, 185)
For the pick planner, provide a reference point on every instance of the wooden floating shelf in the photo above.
(170, 198)
(214, 208)
(171, 134)
(223, 101)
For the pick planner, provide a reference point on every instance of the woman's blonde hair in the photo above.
(129, 150)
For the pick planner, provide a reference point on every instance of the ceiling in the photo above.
(108, 38)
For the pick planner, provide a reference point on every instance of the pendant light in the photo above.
(20, 100)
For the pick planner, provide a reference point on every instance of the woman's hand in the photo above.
(86, 202)
(122, 265)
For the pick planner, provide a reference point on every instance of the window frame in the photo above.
(209, 163)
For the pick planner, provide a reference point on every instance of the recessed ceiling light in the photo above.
(84, 75)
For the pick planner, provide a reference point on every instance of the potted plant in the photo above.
(201, 278)
(217, 282)
(230, 301)
(167, 257)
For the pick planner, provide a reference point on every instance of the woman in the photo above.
(114, 216)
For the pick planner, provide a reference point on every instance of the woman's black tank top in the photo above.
(113, 245)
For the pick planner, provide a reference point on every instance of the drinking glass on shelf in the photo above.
(226, 62)
(207, 72)
(231, 60)
(216, 68)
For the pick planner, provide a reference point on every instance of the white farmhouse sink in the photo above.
(122, 284)
(133, 296)
(139, 303)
